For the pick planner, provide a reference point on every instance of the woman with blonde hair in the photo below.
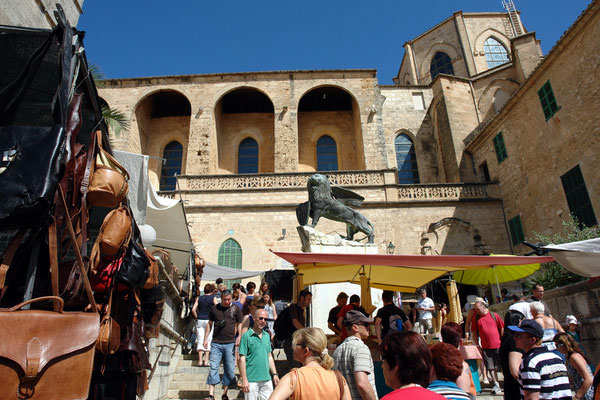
(577, 366)
(315, 380)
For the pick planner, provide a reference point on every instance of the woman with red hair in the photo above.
(406, 364)
(447, 367)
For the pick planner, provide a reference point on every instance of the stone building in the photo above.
(38, 13)
(421, 151)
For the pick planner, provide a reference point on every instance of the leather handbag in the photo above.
(153, 278)
(108, 184)
(114, 236)
(104, 276)
(165, 257)
(135, 269)
(109, 337)
(46, 354)
(28, 175)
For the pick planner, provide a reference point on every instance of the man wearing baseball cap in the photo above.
(353, 358)
(542, 374)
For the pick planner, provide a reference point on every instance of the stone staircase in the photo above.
(189, 381)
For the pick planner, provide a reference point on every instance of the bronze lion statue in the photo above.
(332, 203)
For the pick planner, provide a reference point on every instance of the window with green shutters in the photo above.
(516, 230)
(500, 148)
(578, 197)
(548, 100)
(230, 255)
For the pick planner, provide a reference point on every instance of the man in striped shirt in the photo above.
(542, 374)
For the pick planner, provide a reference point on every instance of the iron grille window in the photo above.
(548, 101)
(441, 64)
(495, 53)
(516, 230)
(326, 154)
(406, 160)
(230, 255)
(173, 155)
(248, 157)
(578, 197)
(500, 148)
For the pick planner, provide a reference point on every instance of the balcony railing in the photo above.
(382, 180)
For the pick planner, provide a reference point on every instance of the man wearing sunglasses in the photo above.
(256, 360)
(353, 358)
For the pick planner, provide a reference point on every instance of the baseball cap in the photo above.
(572, 320)
(356, 317)
(529, 326)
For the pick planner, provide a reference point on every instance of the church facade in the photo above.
(481, 142)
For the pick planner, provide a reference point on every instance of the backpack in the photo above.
(283, 326)
(396, 323)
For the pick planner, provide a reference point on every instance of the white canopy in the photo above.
(582, 258)
(214, 271)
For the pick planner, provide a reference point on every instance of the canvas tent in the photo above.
(582, 258)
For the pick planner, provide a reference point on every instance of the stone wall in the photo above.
(581, 300)
(540, 151)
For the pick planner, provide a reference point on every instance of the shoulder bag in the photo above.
(108, 184)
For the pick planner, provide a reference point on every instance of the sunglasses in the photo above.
(262, 318)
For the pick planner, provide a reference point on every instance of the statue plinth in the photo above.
(314, 241)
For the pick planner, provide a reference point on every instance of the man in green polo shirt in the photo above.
(256, 360)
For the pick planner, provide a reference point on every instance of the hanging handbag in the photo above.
(104, 276)
(135, 269)
(31, 157)
(108, 184)
(114, 236)
(153, 279)
(109, 337)
(48, 354)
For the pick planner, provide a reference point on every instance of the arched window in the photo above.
(326, 154)
(230, 255)
(406, 160)
(173, 154)
(441, 64)
(248, 157)
(495, 53)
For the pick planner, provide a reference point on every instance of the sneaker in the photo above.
(496, 389)
(486, 381)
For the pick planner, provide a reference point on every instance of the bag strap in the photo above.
(57, 300)
(53, 255)
(86, 281)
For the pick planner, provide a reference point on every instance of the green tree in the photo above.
(552, 274)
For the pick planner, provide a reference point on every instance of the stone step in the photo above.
(201, 394)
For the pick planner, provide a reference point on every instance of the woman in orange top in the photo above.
(315, 380)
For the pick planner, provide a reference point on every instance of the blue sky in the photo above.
(131, 38)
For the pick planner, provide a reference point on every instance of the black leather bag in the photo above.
(135, 269)
(32, 157)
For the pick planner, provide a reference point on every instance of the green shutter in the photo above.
(516, 230)
(500, 148)
(230, 255)
(578, 198)
(548, 101)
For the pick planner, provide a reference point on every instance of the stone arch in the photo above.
(491, 32)
(162, 116)
(447, 48)
(242, 112)
(486, 99)
(330, 110)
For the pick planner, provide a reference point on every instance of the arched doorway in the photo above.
(230, 255)
(173, 158)
(333, 113)
(245, 124)
(163, 119)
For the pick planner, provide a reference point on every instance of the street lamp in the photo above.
(391, 248)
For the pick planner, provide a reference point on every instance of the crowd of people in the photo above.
(536, 356)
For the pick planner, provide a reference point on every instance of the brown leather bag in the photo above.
(165, 257)
(153, 278)
(108, 184)
(114, 235)
(109, 337)
(46, 354)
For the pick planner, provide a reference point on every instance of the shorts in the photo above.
(491, 358)
(200, 331)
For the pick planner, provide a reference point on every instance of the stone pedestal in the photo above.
(314, 241)
(324, 295)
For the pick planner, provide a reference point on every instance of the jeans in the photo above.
(218, 352)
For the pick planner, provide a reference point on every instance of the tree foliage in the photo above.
(115, 119)
(552, 274)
